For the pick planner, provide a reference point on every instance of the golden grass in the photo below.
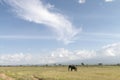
(61, 73)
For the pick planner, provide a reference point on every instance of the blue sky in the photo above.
(52, 30)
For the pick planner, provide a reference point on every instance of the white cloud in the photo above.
(111, 50)
(58, 55)
(62, 55)
(109, 0)
(108, 52)
(37, 12)
(18, 58)
(105, 53)
(82, 1)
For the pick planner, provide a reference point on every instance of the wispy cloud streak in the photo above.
(109, 0)
(37, 12)
(26, 37)
(84, 1)
(111, 35)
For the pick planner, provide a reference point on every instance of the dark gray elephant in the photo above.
(72, 67)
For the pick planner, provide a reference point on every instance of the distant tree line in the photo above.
(57, 65)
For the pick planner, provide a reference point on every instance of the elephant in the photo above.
(72, 67)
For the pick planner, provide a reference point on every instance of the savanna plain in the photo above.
(60, 73)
